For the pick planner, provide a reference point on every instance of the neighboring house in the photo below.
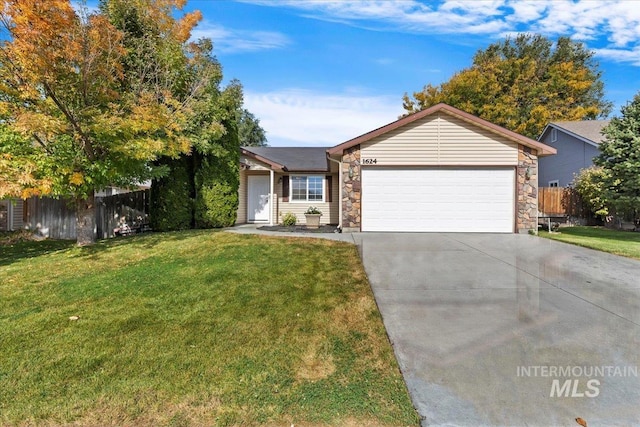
(577, 144)
(438, 170)
(11, 214)
(112, 191)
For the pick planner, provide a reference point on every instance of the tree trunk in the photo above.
(86, 220)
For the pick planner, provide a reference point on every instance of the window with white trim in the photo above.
(554, 183)
(554, 135)
(307, 188)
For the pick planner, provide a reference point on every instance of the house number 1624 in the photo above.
(369, 161)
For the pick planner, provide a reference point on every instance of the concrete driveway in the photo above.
(509, 329)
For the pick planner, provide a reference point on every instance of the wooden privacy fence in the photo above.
(128, 212)
(558, 201)
(53, 218)
(56, 218)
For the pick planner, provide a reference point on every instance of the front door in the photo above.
(258, 198)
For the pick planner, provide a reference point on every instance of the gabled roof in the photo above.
(542, 149)
(290, 159)
(589, 131)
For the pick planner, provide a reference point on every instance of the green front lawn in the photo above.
(193, 328)
(624, 243)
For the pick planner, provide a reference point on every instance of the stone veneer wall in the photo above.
(351, 189)
(527, 204)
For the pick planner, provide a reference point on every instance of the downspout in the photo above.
(271, 194)
(339, 162)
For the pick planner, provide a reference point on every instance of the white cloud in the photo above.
(614, 22)
(303, 117)
(524, 11)
(229, 40)
(620, 55)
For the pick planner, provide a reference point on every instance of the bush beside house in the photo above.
(170, 205)
(216, 200)
(201, 191)
(217, 180)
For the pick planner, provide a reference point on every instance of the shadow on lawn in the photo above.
(141, 242)
(31, 249)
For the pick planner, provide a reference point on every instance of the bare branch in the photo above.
(41, 142)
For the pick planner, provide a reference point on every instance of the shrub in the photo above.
(170, 203)
(289, 219)
(216, 182)
(312, 210)
(590, 185)
(201, 190)
(216, 205)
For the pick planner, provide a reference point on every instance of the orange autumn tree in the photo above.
(75, 118)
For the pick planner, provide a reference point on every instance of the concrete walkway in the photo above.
(509, 330)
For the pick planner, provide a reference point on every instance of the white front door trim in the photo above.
(272, 195)
(258, 200)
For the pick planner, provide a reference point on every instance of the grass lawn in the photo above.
(624, 243)
(193, 328)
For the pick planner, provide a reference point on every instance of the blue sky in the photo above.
(321, 72)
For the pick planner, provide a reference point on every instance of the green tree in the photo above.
(216, 156)
(83, 115)
(620, 159)
(522, 84)
(250, 132)
(200, 189)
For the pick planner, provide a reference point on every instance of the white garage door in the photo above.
(438, 199)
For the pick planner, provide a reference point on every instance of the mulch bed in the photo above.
(300, 228)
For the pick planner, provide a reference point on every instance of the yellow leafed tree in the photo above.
(77, 115)
(522, 84)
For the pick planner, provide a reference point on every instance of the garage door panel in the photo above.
(438, 199)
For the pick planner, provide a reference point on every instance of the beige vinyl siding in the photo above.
(11, 214)
(440, 140)
(329, 210)
(18, 210)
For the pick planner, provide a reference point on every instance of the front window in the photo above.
(307, 189)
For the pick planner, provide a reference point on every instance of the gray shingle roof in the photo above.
(295, 159)
(588, 129)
